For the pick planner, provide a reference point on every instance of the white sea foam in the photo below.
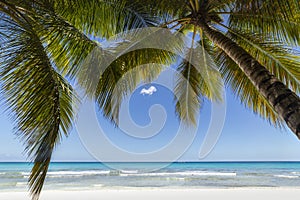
(176, 178)
(286, 176)
(78, 173)
(57, 174)
(202, 173)
(296, 173)
(129, 171)
(21, 183)
(189, 173)
(125, 173)
(98, 185)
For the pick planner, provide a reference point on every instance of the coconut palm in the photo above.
(44, 44)
(250, 39)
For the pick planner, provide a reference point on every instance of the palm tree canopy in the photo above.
(267, 30)
(44, 46)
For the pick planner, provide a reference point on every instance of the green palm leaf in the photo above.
(273, 55)
(47, 40)
(38, 98)
(126, 61)
(270, 18)
(188, 93)
(245, 91)
(276, 57)
(198, 78)
(103, 18)
(67, 46)
(124, 74)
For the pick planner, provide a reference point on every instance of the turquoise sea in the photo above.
(91, 176)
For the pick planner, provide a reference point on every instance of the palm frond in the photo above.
(188, 96)
(210, 70)
(39, 100)
(198, 78)
(95, 17)
(220, 5)
(245, 91)
(124, 74)
(67, 46)
(274, 55)
(134, 57)
(274, 18)
(173, 8)
(103, 18)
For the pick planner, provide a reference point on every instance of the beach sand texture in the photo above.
(163, 194)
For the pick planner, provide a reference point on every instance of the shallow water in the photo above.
(86, 176)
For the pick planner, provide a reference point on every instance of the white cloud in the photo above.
(148, 91)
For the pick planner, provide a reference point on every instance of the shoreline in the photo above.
(276, 193)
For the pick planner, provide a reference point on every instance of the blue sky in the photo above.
(245, 137)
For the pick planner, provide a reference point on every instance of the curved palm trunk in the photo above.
(285, 102)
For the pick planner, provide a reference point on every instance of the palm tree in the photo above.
(250, 40)
(43, 43)
(46, 41)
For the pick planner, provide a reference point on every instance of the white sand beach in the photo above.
(166, 194)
